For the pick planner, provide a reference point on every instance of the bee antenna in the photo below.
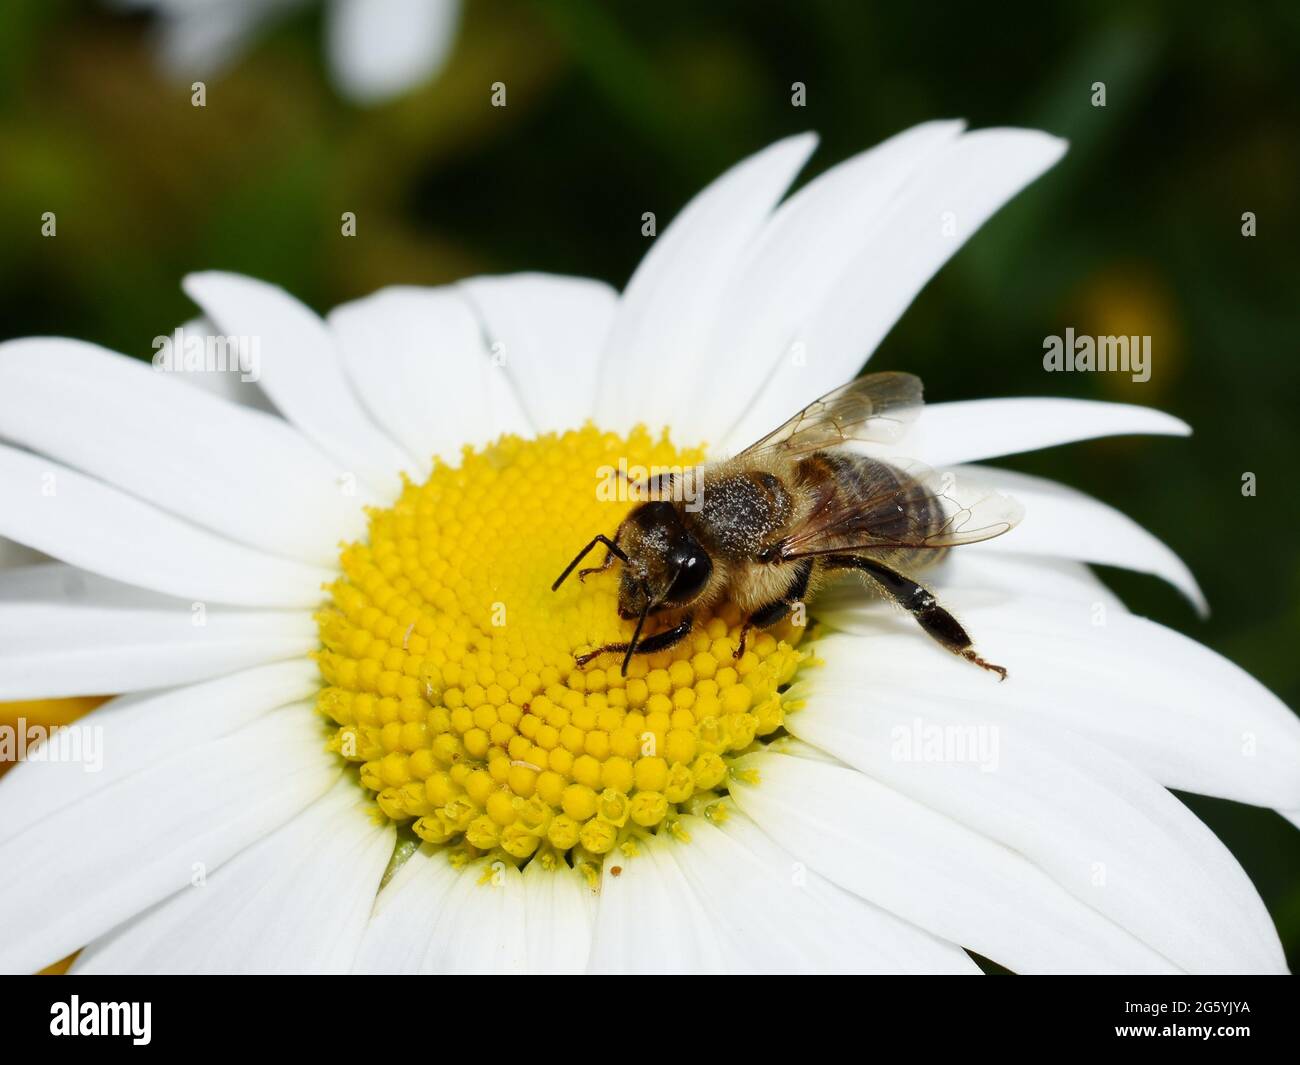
(636, 633)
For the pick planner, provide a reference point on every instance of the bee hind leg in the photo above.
(938, 624)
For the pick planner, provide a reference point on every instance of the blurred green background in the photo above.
(619, 108)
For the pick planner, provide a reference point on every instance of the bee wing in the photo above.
(877, 408)
(904, 507)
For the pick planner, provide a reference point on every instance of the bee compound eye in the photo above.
(692, 575)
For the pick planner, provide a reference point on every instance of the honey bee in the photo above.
(793, 509)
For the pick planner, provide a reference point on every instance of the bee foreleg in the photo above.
(940, 625)
(767, 616)
(660, 641)
(583, 574)
(615, 552)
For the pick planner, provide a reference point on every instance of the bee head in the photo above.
(666, 567)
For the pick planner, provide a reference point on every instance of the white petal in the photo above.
(380, 48)
(140, 840)
(405, 913)
(219, 465)
(14, 554)
(235, 384)
(650, 920)
(296, 901)
(547, 334)
(665, 318)
(1065, 523)
(1103, 830)
(964, 580)
(930, 870)
(102, 529)
(417, 358)
(508, 413)
(135, 732)
(784, 918)
(1182, 713)
(480, 930)
(67, 632)
(940, 207)
(796, 748)
(560, 914)
(980, 578)
(302, 373)
(802, 251)
(947, 434)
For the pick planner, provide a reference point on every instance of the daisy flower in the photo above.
(377, 49)
(350, 733)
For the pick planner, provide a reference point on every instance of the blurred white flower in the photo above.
(377, 49)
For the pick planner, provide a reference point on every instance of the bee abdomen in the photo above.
(895, 506)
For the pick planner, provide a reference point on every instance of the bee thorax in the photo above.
(740, 514)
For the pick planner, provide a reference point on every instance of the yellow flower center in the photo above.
(450, 672)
